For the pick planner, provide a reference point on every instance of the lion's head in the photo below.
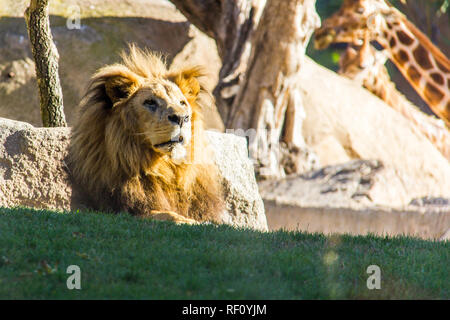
(138, 143)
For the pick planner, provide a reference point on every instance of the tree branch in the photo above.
(261, 45)
(228, 22)
(46, 59)
(204, 14)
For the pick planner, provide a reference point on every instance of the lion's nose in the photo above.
(177, 119)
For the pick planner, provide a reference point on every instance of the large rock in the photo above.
(346, 122)
(381, 221)
(344, 199)
(33, 173)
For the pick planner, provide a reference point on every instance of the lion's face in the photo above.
(156, 109)
(163, 116)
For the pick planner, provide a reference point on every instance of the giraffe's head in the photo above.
(353, 21)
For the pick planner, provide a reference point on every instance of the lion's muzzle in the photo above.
(178, 119)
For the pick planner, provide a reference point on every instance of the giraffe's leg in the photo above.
(169, 216)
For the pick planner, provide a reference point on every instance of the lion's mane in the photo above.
(114, 167)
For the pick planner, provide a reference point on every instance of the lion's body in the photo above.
(130, 155)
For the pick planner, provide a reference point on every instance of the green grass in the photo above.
(122, 257)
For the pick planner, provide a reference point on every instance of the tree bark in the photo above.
(231, 23)
(262, 45)
(46, 59)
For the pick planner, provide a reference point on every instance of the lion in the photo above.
(138, 144)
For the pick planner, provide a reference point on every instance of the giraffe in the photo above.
(420, 62)
(365, 65)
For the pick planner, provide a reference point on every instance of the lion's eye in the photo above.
(183, 103)
(151, 104)
(360, 10)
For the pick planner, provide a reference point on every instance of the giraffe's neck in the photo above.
(422, 63)
(366, 67)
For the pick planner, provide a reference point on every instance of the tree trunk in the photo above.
(46, 58)
(262, 45)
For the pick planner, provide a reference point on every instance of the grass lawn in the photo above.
(122, 257)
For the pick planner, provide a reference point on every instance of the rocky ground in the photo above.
(379, 173)
(343, 198)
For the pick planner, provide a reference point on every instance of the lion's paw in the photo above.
(170, 216)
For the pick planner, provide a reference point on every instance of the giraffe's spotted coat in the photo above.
(438, 78)
(419, 60)
(365, 65)
(404, 38)
(422, 57)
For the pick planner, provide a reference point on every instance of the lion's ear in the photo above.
(187, 81)
(120, 85)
